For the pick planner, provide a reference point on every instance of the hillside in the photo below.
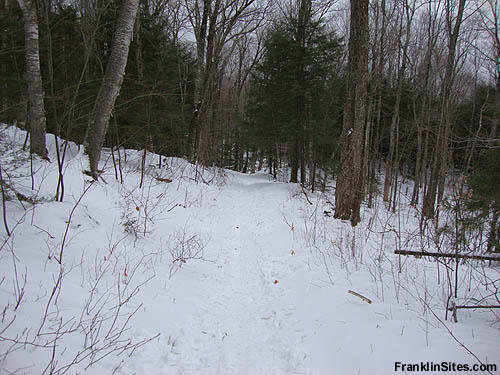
(210, 271)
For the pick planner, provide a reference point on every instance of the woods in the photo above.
(248, 186)
(407, 90)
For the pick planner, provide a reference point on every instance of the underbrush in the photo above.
(435, 287)
(77, 255)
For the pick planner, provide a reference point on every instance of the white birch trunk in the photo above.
(36, 115)
(111, 84)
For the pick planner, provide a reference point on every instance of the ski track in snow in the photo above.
(242, 325)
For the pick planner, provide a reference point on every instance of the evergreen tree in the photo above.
(290, 101)
(485, 182)
(157, 91)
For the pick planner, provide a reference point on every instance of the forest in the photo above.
(248, 85)
(369, 129)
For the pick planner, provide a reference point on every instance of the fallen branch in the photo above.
(367, 300)
(444, 255)
(475, 307)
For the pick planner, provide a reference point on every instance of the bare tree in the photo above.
(392, 162)
(349, 190)
(490, 16)
(430, 24)
(36, 114)
(248, 52)
(441, 151)
(110, 86)
(217, 26)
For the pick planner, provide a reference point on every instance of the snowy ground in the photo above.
(238, 275)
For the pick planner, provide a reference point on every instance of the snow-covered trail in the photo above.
(245, 323)
(269, 297)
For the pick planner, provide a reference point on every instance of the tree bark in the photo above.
(3, 63)
(36, 114)
(494, 235)
(294, 162)
(200, 31)
(349, 190)
(110, 86)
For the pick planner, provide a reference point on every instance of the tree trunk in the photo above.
(36, 114)
(417, 178)
(494, 235)
(422, 121)
(294, 161)
(303, 155)
(303, 19)
(110, 86)
(349, 191)
(375, 146)
(441, 152)
(139, 58)
(495, 121)
(208, 61)
(3, 63)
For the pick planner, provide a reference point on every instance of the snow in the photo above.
(216, 272)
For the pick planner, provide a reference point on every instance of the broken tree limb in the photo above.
(475, 307)
(367, 300)
(444, 255)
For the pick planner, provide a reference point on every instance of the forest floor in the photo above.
(217, 272)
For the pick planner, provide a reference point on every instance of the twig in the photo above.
(4, 210)
(454, 337)
(305, 194)
(45, 231)
(446, 327)
(69, 220)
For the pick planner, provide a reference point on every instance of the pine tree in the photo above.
(292, 96)
(485, 182)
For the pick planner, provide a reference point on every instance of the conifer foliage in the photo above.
(293, 101)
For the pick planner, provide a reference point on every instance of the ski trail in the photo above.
(244, 325)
